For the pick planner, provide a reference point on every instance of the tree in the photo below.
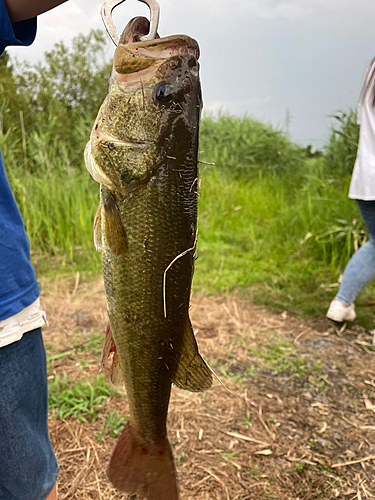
(55, 101)
(76, 77)
(10, 101)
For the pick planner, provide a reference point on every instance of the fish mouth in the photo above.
(133, 56)
(140, 26)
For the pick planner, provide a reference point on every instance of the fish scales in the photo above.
(143, 150)
(155, 238)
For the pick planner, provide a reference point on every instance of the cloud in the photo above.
(292, 10)
(308, 55)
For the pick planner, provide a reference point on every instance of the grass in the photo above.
(81, 400)
(113, 425)
(246, 420)
(283, 359)
(283, 246)
(276, 358)
(58, 212)
(273, 223)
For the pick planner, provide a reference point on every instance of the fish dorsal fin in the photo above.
(113, 228)
(192, 373)
(109, 361)
(98, 229)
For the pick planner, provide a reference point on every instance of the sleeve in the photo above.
(366, 80)
(20, 33)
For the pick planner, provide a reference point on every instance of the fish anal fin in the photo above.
(143, 467)
(109, 361)
(192, 373)
(98, 229)
(113, 227)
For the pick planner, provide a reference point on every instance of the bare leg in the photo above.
(53, 494)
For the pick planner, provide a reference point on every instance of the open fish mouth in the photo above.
(143, 58)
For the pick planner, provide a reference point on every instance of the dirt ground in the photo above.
(292, 418)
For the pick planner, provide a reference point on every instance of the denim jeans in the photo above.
(28, 467)
(360, 270)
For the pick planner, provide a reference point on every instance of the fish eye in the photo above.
(164, 93)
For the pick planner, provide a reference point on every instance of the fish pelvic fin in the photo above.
(109, 361)
(140, 466)
(192, 373)
(98, 229)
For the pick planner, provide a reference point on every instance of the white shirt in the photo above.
(13, 328)
(362, 186)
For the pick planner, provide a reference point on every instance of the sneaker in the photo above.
(338, 312)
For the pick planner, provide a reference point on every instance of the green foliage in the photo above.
(47, 109)
(113, 425)
(11, 102)
(341, 150)
(299, 467)
(58, 212)
(228, 457)
(94, 345)
(78, 399)
(180, 456)
(76, 77)
(244, 147)
(246, 420)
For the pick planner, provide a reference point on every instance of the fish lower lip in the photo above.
(96, 172)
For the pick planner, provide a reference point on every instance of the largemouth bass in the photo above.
(143, 150)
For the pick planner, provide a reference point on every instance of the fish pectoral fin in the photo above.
(193, 373)
(113, 227)
(109, 361)
(98, 229)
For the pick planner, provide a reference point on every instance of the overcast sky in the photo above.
(258, 57)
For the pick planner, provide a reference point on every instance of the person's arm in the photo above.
(19, 10)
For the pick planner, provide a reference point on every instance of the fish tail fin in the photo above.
(138, 466)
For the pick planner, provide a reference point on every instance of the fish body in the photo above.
(143, 150)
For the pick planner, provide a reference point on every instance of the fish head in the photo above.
(154, 103)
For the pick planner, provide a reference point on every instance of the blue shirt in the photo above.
(18, 285)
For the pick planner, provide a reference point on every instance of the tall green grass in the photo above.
(55, 194)
(58, 212)
(341, 149)
(282, 234)
(285, 250)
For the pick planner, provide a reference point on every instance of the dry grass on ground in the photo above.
(295, 421)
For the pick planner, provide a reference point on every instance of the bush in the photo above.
(244, 147)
